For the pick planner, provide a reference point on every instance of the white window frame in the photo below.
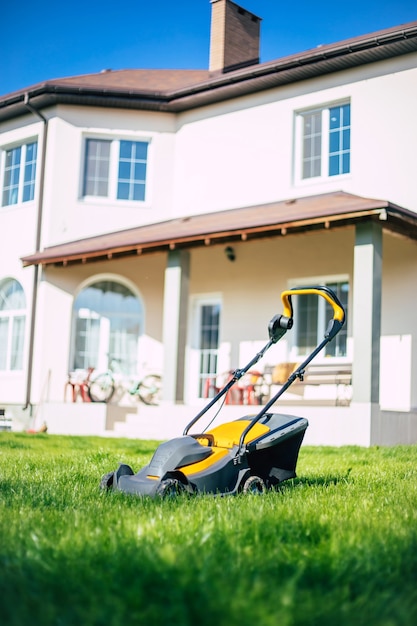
(295, 354)
(324, 176)
(11, 315)
(21, 184)
(101, 351)
(114, 140)
(193, 351)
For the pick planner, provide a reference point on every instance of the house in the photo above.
(155, 216)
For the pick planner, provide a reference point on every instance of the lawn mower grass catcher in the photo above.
(250, 454)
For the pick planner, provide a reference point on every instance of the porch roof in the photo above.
(281, 218)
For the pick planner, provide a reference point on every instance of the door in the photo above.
(205, 344)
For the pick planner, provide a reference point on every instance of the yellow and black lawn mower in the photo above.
(250, 454)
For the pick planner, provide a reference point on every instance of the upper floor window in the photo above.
(19, 174)
(323, 137)
(12, 324)
(115, 169)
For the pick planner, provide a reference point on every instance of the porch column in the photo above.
(367, 283)
(175, 324)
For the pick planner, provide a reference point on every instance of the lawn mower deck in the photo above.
(207, 462)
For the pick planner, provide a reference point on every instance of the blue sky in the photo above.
(46, 40)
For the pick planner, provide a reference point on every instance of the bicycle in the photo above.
(102, 387)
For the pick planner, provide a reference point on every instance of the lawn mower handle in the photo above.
(334, 326)
(338, 320)
(277, 328)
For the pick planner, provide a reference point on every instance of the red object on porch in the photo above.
(243, 392)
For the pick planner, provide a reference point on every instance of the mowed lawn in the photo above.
(336, 546)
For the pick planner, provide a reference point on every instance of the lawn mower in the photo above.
(250, 454)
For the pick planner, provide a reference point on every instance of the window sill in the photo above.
(321, 180)
(110, 202)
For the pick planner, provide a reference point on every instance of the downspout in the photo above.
(36, 270)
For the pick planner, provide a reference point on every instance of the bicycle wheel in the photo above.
(149, 389)
(101, 388)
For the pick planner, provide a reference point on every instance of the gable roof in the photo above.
(275, 219)
(180, 90)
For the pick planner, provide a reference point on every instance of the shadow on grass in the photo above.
(316, 481)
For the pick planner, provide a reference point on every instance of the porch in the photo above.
(356, 424)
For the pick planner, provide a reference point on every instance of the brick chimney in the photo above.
(234, 37)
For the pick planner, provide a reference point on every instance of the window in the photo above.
(12, 325)
(97, 165)
(107, 322)
(132, 170)
(324, 140)
(115, 169)
(312, 316)
(209, 325)
(19, 174)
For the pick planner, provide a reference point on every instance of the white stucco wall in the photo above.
(243, 152)
(18, 230)
(398, 388)
(68, 215)
(250, 288)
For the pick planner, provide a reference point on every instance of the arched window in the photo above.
(107, 323)
(12, 324)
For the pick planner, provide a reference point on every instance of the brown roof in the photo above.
(275, 219)
(179, 90)
(145, 81)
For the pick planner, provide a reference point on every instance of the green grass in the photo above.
(335, 547)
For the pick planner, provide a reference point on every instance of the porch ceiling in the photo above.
(275, 219)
